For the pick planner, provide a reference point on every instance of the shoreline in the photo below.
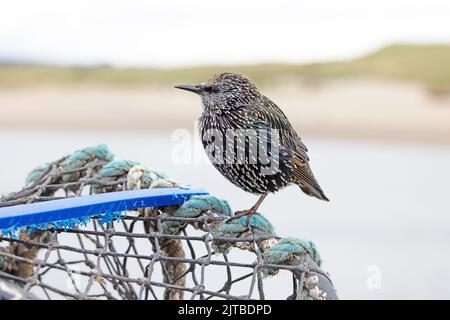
(369, 109)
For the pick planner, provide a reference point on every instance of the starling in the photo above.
(249, 139)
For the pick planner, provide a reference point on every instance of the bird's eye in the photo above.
(210, 89)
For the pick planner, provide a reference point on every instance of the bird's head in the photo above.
(225, 91)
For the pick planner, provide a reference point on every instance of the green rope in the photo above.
(78, 159)
(116, 168)
(37, 173)
(195, 207)
(82, 157)
(113, 171)
(285, 250)
(140, 177)
(258, 225)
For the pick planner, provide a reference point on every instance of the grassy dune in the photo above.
(427, 65)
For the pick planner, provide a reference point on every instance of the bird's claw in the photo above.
(239, 214)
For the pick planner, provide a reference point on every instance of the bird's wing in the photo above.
(274, 118)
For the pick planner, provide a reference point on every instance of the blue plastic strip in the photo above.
(92, 205)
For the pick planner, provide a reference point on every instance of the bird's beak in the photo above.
(190, 87)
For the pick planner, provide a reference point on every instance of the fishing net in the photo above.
(187, 251)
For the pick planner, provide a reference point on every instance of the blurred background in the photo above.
(365, 83)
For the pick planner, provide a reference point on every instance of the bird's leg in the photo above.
(249, 212)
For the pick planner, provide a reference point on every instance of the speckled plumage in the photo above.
(232, 103)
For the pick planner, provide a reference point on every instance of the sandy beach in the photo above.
(351, 109)
(380, 214)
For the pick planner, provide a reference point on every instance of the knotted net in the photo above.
(188, 251)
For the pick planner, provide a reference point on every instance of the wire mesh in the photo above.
(132, 258)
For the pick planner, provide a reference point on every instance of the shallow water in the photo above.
(385, 233)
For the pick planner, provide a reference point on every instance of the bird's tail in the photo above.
(305, 179)
(314, 192)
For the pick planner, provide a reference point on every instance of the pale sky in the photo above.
(192, 32)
